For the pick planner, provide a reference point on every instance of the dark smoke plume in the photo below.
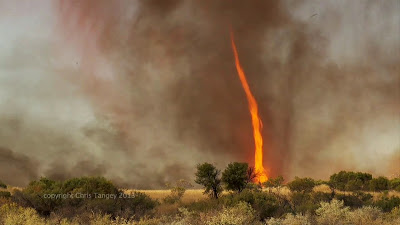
(19, 166)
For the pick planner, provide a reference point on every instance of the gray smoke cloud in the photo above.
(142, 91)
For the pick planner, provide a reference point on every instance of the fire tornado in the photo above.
(255, 119)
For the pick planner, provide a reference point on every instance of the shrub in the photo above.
(318, 197)
(263, 203)
(33, 196)
(379, 184)
(14, 214)
(394, 214)
(254, 186)
(139, 205)
(350, 181)
(353, 185)
(203, 205)
(4, 201)
(208, 176)
(307, 202)
(365, 215)
(89, 185)
(47, 195)
(2, 185)
(301, 184)
(82, 194)
(240, 214)
(387, 204)
(333, 212)
(395, 184)
(274, 182)
(5, 194)
(290, 219)
(355, 200)
(303, 202)
(183, 217)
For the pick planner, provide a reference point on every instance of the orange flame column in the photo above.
(255, 119)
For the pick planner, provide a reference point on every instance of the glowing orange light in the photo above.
(255, 119)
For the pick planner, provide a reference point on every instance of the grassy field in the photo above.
(192, 195)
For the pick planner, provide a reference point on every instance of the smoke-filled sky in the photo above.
(141, 91)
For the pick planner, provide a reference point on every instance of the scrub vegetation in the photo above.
(228, 197)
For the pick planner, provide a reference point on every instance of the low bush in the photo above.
(355, 200)
(204, 205)
(350, 181)
(291, 219)
(77, 195)
(304, 185)
(4, 201)
(336, 213)
(14, 214)
(274, 182)
(365, 215)
(379, 184)
(394, 214)
(319, 196)
(395, 184)
(2, 185)
(240, 214)
(34, 196)
(264, 204)
(333, 212)
(303, 202)
(387, 204)
(5, 194)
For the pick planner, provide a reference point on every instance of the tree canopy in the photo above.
(235, 176)
(209, 176)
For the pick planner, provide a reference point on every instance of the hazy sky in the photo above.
(142, 91)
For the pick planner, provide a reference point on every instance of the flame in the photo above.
(261, 175)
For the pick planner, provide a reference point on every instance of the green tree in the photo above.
(209, 176)
(304, 185)
(235, 176)
(251, 174)
(379, 184)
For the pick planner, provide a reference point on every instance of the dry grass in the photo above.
(281, 190)
(190, 195)
(322, 188)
